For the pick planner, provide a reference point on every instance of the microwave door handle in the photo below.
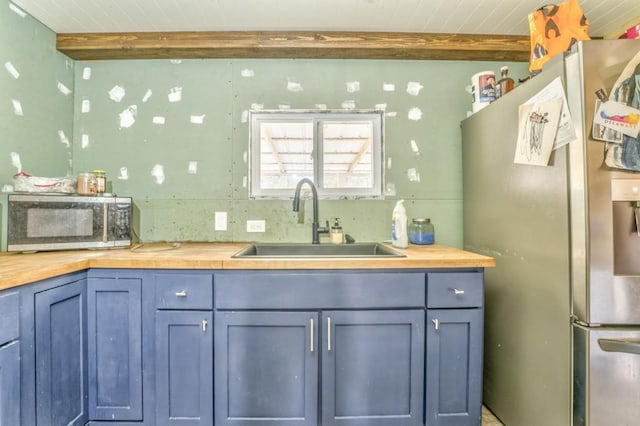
(614, 345)
(105, 221)
(636, 206)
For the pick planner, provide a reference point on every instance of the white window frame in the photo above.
(318, 117)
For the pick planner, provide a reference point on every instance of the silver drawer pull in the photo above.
(436, 323)
(204, 325)
(458, 292)
(182, 293)
(311, 334)
(329, 334)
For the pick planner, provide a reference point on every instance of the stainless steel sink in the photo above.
(279, 250)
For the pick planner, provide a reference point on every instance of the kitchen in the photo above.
(72, 123)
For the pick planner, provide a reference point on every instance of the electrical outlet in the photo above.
(256, 225)
(220, 221)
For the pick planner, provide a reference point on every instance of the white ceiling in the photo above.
(608, 18)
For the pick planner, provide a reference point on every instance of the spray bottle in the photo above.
(399, 238)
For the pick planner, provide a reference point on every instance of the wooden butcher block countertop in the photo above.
(23, 268)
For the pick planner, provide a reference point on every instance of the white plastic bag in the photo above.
(24, 182)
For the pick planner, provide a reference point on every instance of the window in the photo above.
(341, 152)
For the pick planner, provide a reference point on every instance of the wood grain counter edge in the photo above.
(19, 269)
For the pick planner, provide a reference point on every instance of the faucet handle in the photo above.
(324, 229)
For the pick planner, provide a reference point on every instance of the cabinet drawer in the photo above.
(9, 317)
(319, 290)
(183, 291)
(455, 289)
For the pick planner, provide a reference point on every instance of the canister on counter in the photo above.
(421, 231)
(86, 183)
(101, 181)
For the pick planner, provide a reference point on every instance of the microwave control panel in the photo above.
(122, 221)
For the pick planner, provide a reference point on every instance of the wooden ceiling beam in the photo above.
(301, 44)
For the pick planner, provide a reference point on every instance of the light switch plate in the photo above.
(220, 222)
(256, 225)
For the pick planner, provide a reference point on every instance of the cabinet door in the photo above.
(184, 368)
(454, 367)
(372, 368)
(10, 384)
(60, 351)
(266, 366)
(9, 359)
(115, 349)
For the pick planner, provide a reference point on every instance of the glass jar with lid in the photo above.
(101, 181)
(421, 231)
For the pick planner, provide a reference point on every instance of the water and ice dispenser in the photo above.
(625, 198)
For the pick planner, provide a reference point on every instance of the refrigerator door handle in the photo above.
(614, 345)
(636, 205)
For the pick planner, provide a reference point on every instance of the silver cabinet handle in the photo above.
(329, 334)
(436, 323)
(182, 293)
(204, 325)
(458, 292)
(311, 334)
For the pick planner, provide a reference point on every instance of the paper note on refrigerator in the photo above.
(537, 129)
(566, 130)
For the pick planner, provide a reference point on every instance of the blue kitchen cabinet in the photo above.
(184, 368)
(454, 347)
(266, 367)
(60, 355)
(372, 368)
(9, 358)
(342, 348)
(183, 302)
(114, 324)
(10, 384)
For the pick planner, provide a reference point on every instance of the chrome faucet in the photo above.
(315, 226)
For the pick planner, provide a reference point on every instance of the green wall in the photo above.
(180, 172)
(182, 206)
(36, 111)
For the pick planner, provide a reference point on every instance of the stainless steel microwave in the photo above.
(40, 222)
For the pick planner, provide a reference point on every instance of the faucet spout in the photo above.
(316, 230)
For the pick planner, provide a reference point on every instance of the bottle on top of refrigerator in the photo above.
(505, 84)
(399, 236)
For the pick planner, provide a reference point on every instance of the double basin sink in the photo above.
(280, 250)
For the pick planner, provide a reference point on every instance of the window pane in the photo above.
(347, 154)
(286, 153)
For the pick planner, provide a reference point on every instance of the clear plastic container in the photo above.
(86, 183)
(421, 231)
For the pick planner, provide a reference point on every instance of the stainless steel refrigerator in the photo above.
(562, 316)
